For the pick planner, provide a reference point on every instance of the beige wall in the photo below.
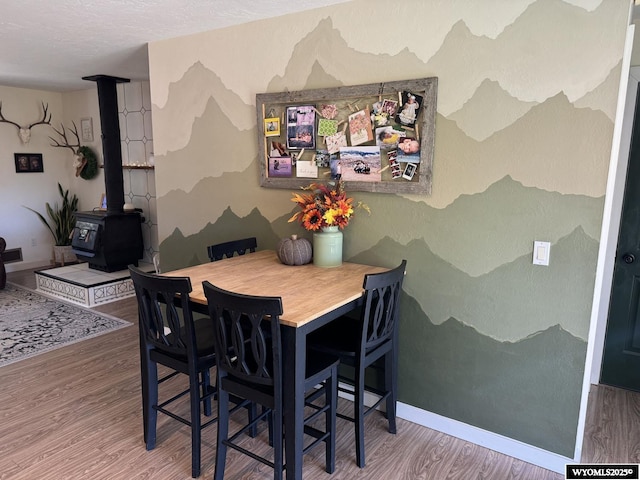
(19, 227)
(23, 229)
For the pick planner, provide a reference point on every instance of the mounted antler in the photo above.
(25, 132)
(4, 120)
(63, 134)
(45, 120)
(79, 161)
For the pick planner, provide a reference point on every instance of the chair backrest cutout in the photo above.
(164, 312)
(380, 310)
(247, 335)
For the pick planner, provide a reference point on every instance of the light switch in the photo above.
(541, 253)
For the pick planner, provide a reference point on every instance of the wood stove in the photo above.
(111, 240)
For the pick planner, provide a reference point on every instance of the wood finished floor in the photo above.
(75, 413)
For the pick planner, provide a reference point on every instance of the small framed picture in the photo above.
(408, 150)
(28, 162)
(272, 127)
(396, 169)
(86, 129)
(280, 167)
(322, 158)
(390, 107)
(301, 122)
(409, 171)
(360, 127)
(411, 104)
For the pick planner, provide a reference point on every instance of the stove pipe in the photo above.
(111, 150)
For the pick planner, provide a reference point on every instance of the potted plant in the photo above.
(62, 222)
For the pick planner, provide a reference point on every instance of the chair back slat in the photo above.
(229, 249)
(247, 335)
(165, 316)
(381, 306)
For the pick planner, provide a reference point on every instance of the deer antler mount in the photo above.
(79, 161)
(65, 141)
(25, 132)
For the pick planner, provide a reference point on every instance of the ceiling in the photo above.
(51, 45)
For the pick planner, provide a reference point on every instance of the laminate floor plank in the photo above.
(9, 469)
(466, 462)
(606, 432)
(632, 422)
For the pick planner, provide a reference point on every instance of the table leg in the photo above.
(294, 358)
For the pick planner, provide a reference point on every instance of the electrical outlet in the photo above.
(33, 242)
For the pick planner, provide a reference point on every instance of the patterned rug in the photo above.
(31, 323)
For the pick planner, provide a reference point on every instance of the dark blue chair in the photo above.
(370, 341)
(249, 349)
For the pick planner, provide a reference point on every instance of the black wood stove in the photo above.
(111, 240)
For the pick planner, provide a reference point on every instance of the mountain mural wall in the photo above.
(452, 368)
(528, 390)
(523, 138)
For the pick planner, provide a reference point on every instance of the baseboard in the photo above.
(499, 443)
(16, 267)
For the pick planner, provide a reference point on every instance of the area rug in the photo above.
(31, 323)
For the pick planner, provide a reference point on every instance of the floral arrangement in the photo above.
(325, 206)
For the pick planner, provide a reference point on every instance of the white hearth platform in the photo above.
(84, 286)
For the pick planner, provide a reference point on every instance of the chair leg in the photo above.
(149, 380)
(331, 399)
(206, 385)
(269, 425)
(359, 416)
(390, 385)
(278, 450)
(194, 395)
(252, 412)
(223, 433)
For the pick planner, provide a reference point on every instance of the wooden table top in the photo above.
(307, 291)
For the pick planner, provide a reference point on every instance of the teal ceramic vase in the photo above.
(327, 247)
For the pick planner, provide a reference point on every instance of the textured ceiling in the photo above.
(51, 45)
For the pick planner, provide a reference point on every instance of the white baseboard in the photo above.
(484, 438)
(499, 443)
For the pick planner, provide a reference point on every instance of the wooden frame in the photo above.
(349, 100)
(28, 162)
(86, 127)
(272, 127)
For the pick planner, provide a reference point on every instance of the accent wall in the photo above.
(527, 92)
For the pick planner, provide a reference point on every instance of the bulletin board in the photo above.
(377, 137)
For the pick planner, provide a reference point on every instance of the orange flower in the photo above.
(325, 206)
(312, 220)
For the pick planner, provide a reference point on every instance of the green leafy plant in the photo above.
(63, 218)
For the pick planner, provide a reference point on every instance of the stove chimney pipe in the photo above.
(111, 149)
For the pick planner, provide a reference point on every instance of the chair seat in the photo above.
(337, 338)
(205, 357)
(318, 367)
(204, 337)
(319, 363)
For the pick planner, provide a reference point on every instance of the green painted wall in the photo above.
(523, 139)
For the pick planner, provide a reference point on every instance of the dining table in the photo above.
(312, 296)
